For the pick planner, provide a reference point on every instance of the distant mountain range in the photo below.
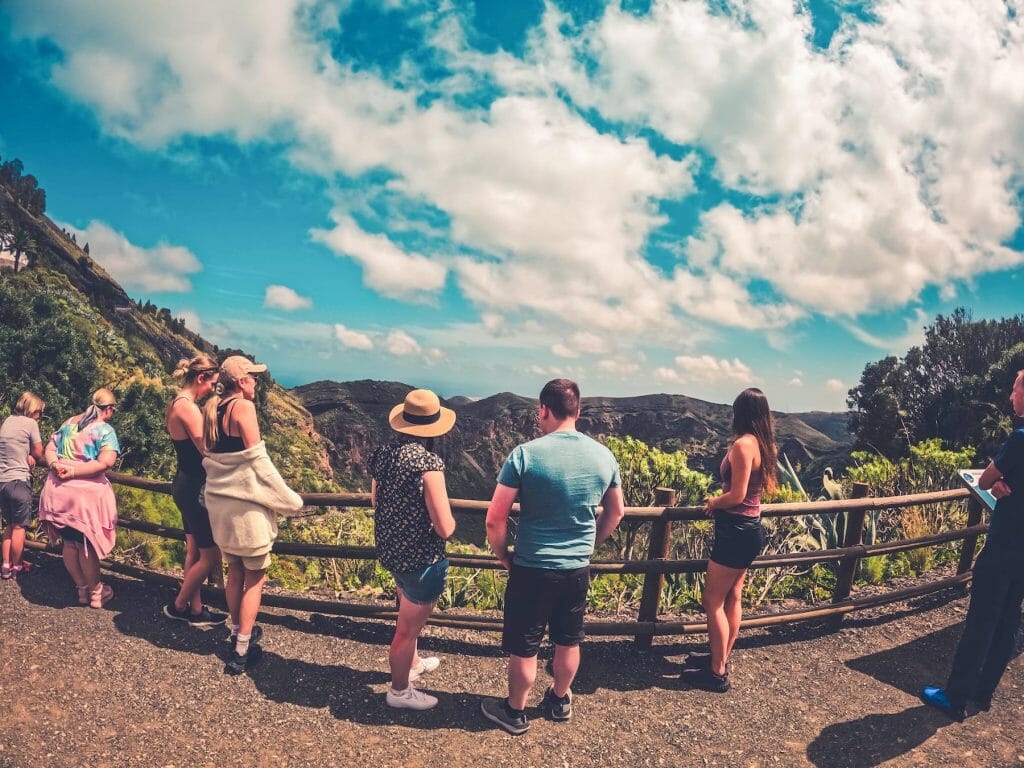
(352, 417)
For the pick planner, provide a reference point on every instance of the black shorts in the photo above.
(16, 503)
(541, 598)
(195, 519)
(738, 540)
(71, 535)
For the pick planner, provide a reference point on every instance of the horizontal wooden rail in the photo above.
(642, 513)
(595, 628)
(344, 552)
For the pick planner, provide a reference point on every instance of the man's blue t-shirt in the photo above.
(1007, 527)
(561, 478)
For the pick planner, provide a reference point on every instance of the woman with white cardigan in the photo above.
(244, 495)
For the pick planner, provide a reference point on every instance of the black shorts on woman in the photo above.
(186, 490)
(738, 539)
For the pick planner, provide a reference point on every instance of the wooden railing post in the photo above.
(974, 513)
(852, 536)
(657, 549)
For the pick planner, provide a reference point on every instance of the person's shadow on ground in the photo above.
(876, 738)
(358, 696)
(873, 739)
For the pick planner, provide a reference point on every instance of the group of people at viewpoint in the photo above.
(569, 492)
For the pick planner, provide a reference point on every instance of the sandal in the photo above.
(100, 596)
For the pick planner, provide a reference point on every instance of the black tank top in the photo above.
(190, 461)
(226, 443)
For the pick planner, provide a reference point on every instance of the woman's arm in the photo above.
(435, 494)
(373, 493)
(70, 470)
(741, 461)
(243, 414)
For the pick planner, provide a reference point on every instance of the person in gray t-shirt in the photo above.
(20, 448)
(570, 500)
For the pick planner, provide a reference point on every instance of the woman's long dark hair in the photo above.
(752, 416)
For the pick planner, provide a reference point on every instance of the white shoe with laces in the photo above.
(427, 664)
(410, 698)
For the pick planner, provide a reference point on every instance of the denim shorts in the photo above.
(425, 585)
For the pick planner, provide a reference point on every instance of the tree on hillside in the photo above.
(952, 387)
(20, 243)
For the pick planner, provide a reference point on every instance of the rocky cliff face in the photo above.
(352, 416)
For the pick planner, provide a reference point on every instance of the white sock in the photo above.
(242, 644)
(234, 631)
(398, 692)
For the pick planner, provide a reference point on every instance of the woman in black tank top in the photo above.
(226, 442)
(184, 422)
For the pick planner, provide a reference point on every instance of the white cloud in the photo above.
(161, 269)
(191, 319)
(666, 375)
(563, 350)
(835, 385)
(352, 339)
(400, 343)
(387, 268)
(886, 164)
(912, 336)
(796, 381)
(283, 297)
(705, 368)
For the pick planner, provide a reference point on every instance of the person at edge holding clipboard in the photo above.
(997, 588)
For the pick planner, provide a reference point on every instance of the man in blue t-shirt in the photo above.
(561, 479)
(997, 589)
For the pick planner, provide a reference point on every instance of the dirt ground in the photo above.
(123, 686)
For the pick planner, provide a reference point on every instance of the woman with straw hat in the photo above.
(412, 520)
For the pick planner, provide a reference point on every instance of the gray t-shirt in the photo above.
(561, 478)
(17, 436)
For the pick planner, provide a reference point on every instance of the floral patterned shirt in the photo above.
(405, 539)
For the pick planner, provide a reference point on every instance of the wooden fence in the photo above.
(654, 566)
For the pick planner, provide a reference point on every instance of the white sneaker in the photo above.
(427, 664)
(410, 698)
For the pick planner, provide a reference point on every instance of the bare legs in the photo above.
(722, 592)
(403, 655)
(196, 572)
(13, 544)
(522, 672)
(243, 592)
(73, 564)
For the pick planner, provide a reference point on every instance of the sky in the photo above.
(663, 196)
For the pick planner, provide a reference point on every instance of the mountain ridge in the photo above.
(352, 417)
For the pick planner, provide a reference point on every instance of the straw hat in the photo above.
(421, 415)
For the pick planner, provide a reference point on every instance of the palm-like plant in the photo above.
(20, 243)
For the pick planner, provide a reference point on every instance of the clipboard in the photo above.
(969, 477)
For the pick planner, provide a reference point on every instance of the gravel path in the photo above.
(125, 687)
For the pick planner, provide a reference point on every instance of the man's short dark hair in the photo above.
(562, 397)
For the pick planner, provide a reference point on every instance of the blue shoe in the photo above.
(936, 697)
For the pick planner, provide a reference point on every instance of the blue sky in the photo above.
(660, 196)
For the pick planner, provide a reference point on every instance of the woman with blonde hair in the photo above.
(21, 448)
(184, 422)
(244, 495)
(412, 520)
(749, 467)
(77, 503)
